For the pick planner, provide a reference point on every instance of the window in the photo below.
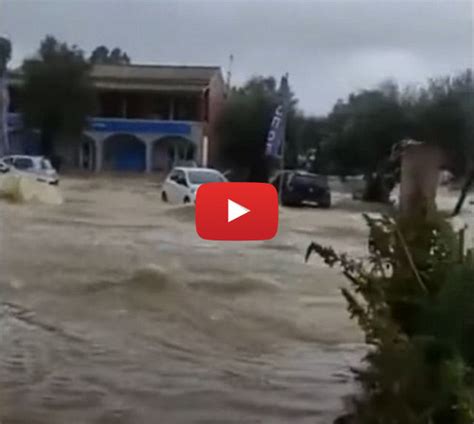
(46, 164)
(23, 163)
(201, 177)
(111, 104)
(177, 176)
(186, 108)
(160, 107)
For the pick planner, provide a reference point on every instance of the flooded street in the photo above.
(114, 311)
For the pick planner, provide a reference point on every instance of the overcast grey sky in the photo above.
(329, 48)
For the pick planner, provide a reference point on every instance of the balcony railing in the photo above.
(122, 125)
(140, 126)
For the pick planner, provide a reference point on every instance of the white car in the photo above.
(37, 167)
(182, 183)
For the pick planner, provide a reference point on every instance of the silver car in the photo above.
(182, 183)
(38, 167)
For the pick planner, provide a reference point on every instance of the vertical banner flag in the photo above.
(276, 133)
(4, 99)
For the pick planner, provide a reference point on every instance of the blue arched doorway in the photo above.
(124, 152)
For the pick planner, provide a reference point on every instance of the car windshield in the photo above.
(201, 177)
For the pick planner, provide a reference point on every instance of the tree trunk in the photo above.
(260, 171)
(419, 179)
(376, 189)
(462, 196)
(47, 135)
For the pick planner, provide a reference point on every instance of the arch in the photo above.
(169, 150)
(87, 154)
(124, 152)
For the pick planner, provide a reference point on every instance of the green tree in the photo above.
(57, 94)
(412, 297)
(5, 53)
(444, 115)
(311, 132)
(102, 55)
(363, 129)
(441, 113)
(367, 126)
(244, 123)
(361, 133)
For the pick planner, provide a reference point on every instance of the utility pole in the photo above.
(5, 55)
(229, 72)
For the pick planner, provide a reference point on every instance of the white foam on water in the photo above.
(25, 189)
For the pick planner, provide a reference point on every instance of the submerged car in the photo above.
(37, 167)
(182, 183)
(299, 187)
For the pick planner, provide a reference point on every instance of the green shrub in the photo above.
(412, 298)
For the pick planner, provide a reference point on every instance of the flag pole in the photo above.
(276, 137)
(282, 171)
(282, 161)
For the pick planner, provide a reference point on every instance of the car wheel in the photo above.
(164, 196)
(186, 200)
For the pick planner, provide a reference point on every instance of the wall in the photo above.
(68, 148)
(217, 92)
(194, 135)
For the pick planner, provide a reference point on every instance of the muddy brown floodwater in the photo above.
(114, 311)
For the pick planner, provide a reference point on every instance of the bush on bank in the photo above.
(413, 297)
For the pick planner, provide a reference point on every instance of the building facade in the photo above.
(149, 118)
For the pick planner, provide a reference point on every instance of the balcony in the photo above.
(141, 126)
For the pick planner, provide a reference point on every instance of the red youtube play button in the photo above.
(236, 211)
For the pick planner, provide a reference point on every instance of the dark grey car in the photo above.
(299, 187)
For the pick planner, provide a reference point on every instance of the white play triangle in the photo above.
(234, 210)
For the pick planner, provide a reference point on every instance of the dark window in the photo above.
(160, 107)
(206, 105)
(23, 163)
(186, 108)
(135, 103)
(177, 175)
(111, 104)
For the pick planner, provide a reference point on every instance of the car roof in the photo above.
(301, 172)
(23, 157)
(193, 168)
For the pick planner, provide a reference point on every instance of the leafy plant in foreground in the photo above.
(411, 297)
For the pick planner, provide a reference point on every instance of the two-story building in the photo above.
(149, 117)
